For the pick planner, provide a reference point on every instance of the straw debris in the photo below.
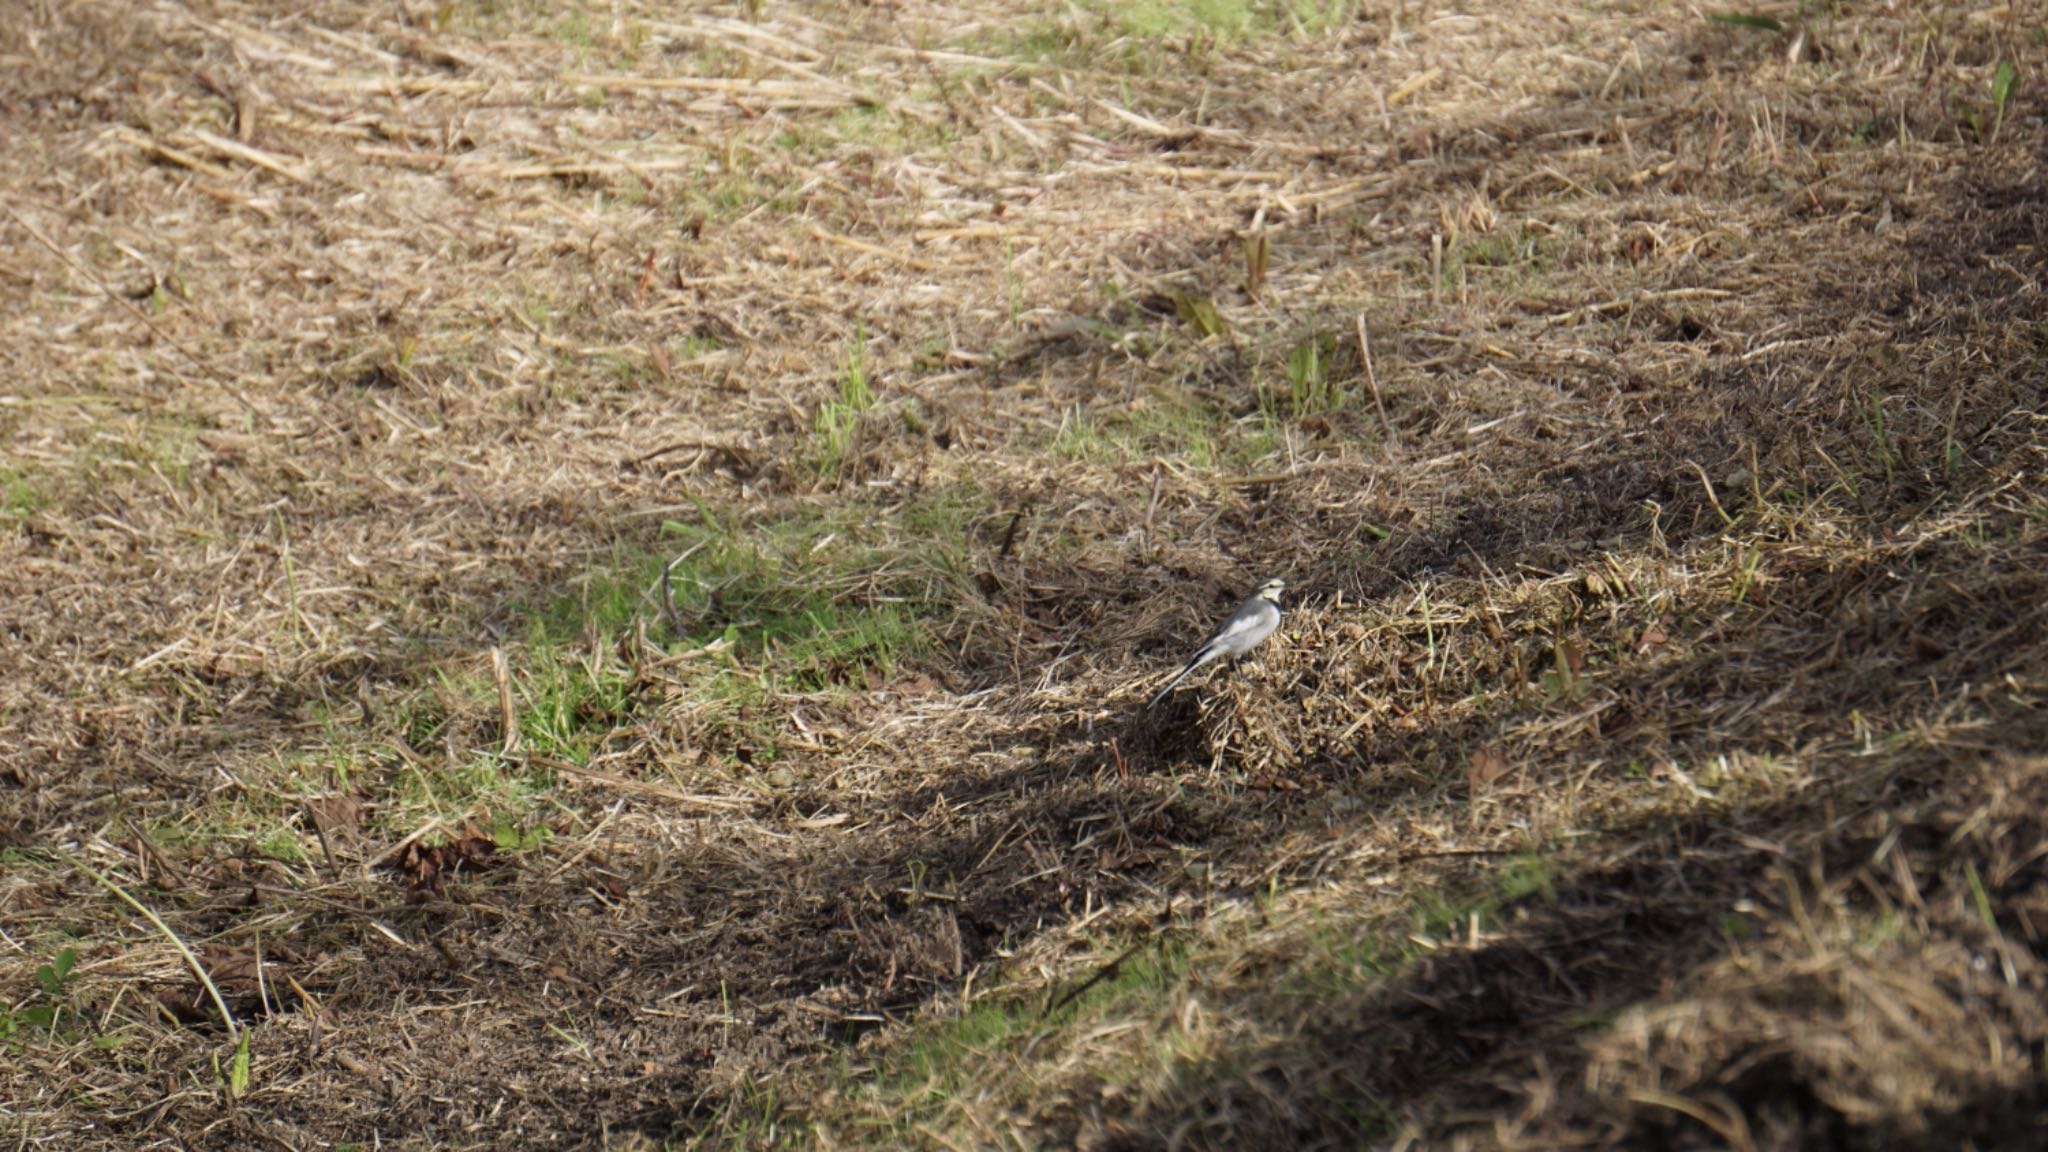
(585, 576)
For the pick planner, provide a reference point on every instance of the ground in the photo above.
(587, 575)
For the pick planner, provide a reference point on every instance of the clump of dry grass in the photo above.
(1644, 408)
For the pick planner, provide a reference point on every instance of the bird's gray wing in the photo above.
(1251, 623)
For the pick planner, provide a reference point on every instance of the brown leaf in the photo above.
(187, 1005)
(1483, 768)
(1926, 647)
(1571, 655)
(426, 866)
(1653, 639)
(233, 969)
(338, 816)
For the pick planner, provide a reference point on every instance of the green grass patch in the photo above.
(812, 601)
(1511, 259)
(1308, 383)
(971, 1056)
(1149, 37)
(606, 600)
(868, 126)
(20, 494)
(265, 816)
(572, 699)
(1179, 427)
(821, 599)
(483, 789)
(837, 426)
(1227, 18)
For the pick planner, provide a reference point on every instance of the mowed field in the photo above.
(587, 575)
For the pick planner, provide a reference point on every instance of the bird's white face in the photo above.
(1270, 590)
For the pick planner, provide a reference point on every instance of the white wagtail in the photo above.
(1254, 620)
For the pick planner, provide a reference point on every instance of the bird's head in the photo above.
(1270, 590)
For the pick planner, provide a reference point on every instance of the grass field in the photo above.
(586, 575)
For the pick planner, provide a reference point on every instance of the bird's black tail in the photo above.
(1177, 678)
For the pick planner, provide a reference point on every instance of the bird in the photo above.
(1254, 620)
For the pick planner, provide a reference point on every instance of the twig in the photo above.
(508, 718)
(624, 784)
(255, 156)
(1622, 304)
(1372, 381)
(173, 875)
(1010, 533)
(1708, 484)
(678, 446)
(871, 249)
(326, 847)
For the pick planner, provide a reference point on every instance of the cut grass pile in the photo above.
(594, 572)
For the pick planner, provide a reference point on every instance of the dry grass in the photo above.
(1647, 408)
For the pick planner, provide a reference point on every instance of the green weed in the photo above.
(483, 788)
(1153, 18)
(42, 1014)
(573, 28)
(1178, 427)
(1510, 256)
(1871, 409)
(572, 699)
(1311, 388)
(809, 602)
(573, 690)
(1313, 18)
(818, 597)
(838, 421)
(20, 495)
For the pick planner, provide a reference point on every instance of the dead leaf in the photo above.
(186, 1005)
(1483, 768)
(338, 816)
(1571, 655)
(1926, 647)
(426, 866)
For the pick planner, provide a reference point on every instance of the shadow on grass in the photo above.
(1506, 1036)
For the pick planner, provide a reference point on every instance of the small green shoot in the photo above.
(510, 837)
(19, 496)
(1748, 572)
(44, 1011)
(238, 1069)
(1880, 438)
(1311, 387)
(56, 975)
(1565, 682)
(838, 421)
(1199, 313)
(1746, 20)
(2003, 84)
(1258, 251)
